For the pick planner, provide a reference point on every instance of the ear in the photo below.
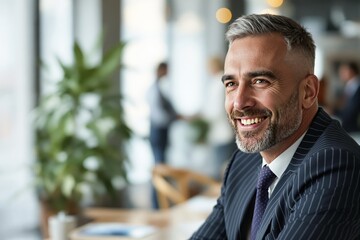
(310, 88)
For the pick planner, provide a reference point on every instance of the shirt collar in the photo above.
(279, 164)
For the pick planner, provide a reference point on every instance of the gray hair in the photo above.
(296, 37)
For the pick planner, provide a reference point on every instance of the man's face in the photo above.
(345, 73)
(262, 92)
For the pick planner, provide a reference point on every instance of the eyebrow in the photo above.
(226, 77)
(263, 73)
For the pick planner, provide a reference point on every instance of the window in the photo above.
(16, 99)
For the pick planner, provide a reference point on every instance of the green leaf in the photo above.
(67, 71)
(61, 119)
(110, 62)
(79, 56)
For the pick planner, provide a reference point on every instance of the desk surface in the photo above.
(175, 223)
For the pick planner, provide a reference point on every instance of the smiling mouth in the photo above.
(252, 121)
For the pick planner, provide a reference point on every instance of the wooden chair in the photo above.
(175, 185)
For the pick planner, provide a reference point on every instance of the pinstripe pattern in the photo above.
(318, 196)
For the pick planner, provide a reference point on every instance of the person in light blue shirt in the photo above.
(162, 113)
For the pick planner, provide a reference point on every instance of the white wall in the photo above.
(18, 205)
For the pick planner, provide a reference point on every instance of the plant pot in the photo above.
(47, 211)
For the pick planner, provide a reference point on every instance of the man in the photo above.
(350, 111)
(162, 113)
(271, 102)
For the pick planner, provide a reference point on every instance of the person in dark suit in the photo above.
(349, 113)
(271, 102)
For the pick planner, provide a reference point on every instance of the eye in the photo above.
(229, 84)
(261, 81)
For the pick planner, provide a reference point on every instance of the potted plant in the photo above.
(80, 133)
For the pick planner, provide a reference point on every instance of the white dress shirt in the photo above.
(279, 164)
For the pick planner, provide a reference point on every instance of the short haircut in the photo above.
(297, 38)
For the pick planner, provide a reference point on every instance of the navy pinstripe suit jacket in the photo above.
(317, 197)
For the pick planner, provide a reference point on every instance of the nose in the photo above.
(243, 98)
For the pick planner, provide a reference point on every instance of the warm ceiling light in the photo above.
(223, 15)
(275, 3)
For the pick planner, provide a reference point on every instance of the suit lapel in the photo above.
(320, 122)
(243, 175)
(248, 204)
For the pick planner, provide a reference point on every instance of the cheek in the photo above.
(273, 98)
(229, 103)
(267, 101)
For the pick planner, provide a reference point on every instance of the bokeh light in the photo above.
(275, 3)
(272, 11)
(223, 15)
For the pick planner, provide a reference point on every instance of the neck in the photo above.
(272, 153)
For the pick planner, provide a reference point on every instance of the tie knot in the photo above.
(266, 177)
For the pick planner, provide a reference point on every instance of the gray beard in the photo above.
(275, 132)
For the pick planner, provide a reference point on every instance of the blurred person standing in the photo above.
(220, 135)
(162, 113)
(349, 109)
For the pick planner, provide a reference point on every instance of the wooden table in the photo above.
(177, 223)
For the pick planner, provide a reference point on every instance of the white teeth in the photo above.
(251, 121)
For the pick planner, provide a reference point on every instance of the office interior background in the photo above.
(183, 32)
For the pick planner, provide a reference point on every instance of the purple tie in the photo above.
(266, 177)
